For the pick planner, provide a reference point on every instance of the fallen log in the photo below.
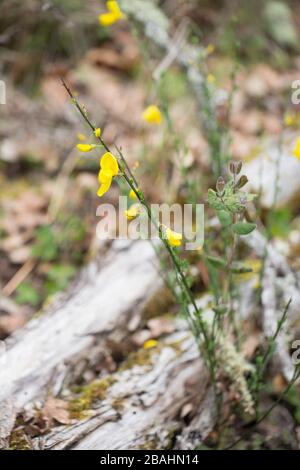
(107, 295)
(106, 301)
(142, 409)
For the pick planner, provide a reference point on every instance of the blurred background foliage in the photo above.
(37, 34)
(40, 41)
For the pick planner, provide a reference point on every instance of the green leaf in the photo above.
(45, 247)
(27, 294)
(214, 201)
(59, 277)
(225, 218)
(217, 263)
(236, 267)
(250, 196)
(279, 21)
(279, 222)
(243, 228)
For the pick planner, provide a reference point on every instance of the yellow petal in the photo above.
(114, 8)
(296, 151)
(104, 187)
(151, 343)
(173, 238)
(210, 49)
(85, 147)
(289, 120)
(152, 114)
(211, 78)
(104, 176)
(107, 19)
(132, 194)
(109, 163)
(133, 212)
(97, 132)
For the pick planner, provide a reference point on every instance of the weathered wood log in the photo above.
(107, 296)
(143, 405)
(106, 301)
(275, 172)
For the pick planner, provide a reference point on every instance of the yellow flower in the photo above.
(113, 14)
(85, 147)
(107, 19)
(81, 137)
(151, 343)
(108, 169)
(296, 151)
(211, 78)
(133, 212)
(97, 132)
(113, 7)
(132, 194)
(288, 120)
(152, 114)
(210, 49)
(105, 179)
(174, 238)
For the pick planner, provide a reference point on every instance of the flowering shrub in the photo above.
(218, 339)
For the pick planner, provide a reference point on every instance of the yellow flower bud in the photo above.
(210, 49)
(152, 115)
(174, 238)
(132, 194)
(133, 212)
(151, 343)
(107, 19)
(113, 14)
(296, 151)
(85, 147)
(114, 8)
(211, 78)
(97, 132)
(289, 120)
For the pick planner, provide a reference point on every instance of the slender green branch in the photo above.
(195, 319)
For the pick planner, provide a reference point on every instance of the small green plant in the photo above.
(27, 294)
(218, 337)
(58, 277)
(230, 203)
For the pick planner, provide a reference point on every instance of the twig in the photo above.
(19, 277)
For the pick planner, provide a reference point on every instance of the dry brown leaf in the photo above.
(250, 345)
(249, 122)
(56, 409)
(278, 383)
(12, 243)
(11, 323)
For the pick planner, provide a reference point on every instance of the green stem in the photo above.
(193, 320)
